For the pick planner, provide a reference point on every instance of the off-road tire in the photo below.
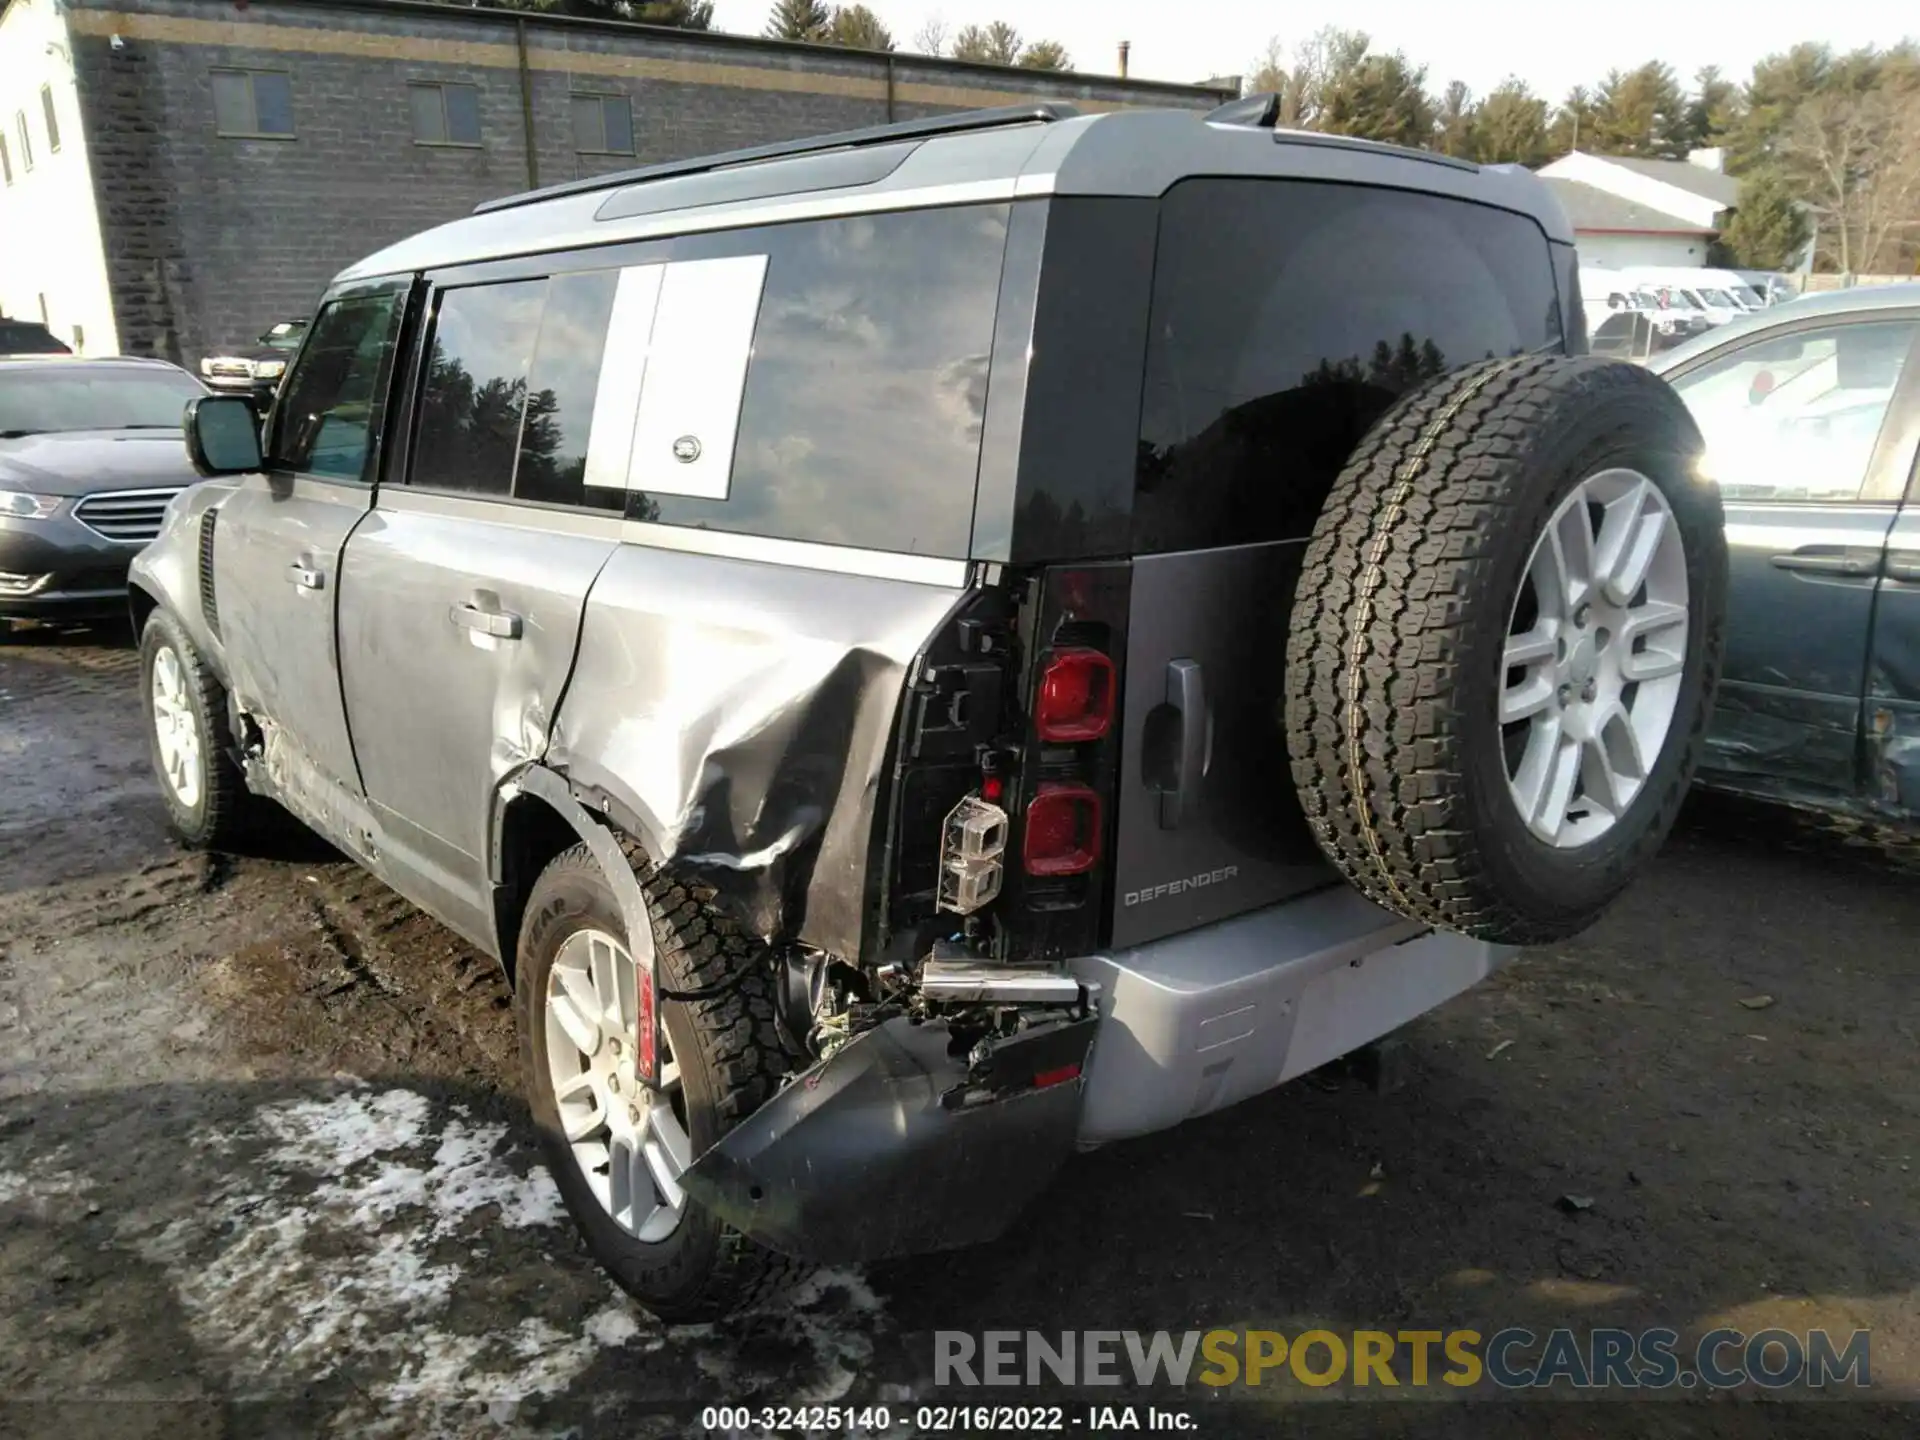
(1395, 647)
(228, 816)
(731, 1062)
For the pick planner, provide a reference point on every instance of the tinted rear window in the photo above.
(860, 422)
(1287, 316)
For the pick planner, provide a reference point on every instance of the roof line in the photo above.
(540, 19)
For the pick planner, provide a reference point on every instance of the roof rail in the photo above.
(954, 124)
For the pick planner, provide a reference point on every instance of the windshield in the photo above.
(36, 401)
(1719, 298)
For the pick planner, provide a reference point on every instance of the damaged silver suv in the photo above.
(932, 647)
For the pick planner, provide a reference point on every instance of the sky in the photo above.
(1553, 47)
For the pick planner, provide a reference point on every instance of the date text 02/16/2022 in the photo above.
(945, 1419)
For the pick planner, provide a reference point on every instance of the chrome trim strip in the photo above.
(961, 980)
(801, 554)
(501, 510)
(163, 497)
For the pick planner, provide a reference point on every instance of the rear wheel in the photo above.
(1505, 644)
(617, 1151)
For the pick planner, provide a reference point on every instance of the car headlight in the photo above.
(18, 505)
(270, 369)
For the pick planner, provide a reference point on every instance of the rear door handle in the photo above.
(1187, 694)
(1831, 559)
(307, 576)
(1904, 567)
(497, 623)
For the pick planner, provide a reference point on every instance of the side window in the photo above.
(603, 124)
(53, 120)
(444, 114)
(475, 394)
(861, 414)
(26, 140)
(253, 104)
(1287, 316)
(561, 391)
(331, 405)
(1798, 417)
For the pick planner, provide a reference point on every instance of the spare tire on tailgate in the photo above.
(1505, 644)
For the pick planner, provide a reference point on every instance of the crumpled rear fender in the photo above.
(736, 717)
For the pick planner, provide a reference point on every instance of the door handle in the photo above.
(307, 576)
(497, 623)
(1831, 559)
(1187, 696)
(1904, 567)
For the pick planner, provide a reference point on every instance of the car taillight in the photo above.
(1062, 834)
(1076, 696)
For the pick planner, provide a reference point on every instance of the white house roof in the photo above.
(1691, 198)
(1593, 211)
(1720, 188)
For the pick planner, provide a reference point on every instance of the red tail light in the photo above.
(1062, 831)
(1076, 696)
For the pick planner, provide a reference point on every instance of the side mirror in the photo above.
(223, 435)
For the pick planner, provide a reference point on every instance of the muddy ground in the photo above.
(264, 1168)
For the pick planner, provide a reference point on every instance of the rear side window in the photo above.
(506, 406)
(1287, 316)
(860, 420)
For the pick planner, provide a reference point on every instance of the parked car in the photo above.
(1811, 414)
(938, 646)
(29, 337)
(256, 369)
(90, 454)
(1699, 290)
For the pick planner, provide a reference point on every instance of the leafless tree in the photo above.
(1856, 156)
(931, 37)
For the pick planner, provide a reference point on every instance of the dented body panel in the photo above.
(736, 715)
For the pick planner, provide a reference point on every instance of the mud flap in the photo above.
(892, 1147)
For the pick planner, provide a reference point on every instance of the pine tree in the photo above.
(1045, 55)
(799, 20)
(995, 44)
(1510, 127)
(858, 28)
(1769, 230)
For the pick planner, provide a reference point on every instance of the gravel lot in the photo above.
(264, 1168)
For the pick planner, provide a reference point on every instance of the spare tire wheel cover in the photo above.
(1504, 645)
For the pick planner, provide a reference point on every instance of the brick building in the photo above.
(179, 174)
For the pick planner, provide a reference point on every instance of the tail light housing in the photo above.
(1062, 831)
(1075, 703)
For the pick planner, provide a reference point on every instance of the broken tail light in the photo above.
(1062, 834)
(971, 843)
(1076, 696)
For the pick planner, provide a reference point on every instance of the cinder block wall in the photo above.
(210, 238)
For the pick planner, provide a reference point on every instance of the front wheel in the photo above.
(208, 804)
(616, 1150)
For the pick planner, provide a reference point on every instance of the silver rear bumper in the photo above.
(1203, 1020)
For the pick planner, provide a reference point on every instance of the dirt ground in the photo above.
(264, 1168)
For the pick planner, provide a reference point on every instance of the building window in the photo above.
(445, 114)
(26, 140)
(253, 103)
(53, 123)
(6, 160)
(602, 125)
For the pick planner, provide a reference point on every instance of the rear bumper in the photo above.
(895, 1147)
(1200, 1021)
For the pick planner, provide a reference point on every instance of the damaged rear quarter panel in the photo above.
(740, 712)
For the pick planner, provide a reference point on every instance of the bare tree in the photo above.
(931, 37)
(1856, 156)
(1303, 75)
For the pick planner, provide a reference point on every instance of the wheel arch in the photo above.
(536, 816)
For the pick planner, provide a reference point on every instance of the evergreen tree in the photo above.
(799, 20)
(858, 28)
